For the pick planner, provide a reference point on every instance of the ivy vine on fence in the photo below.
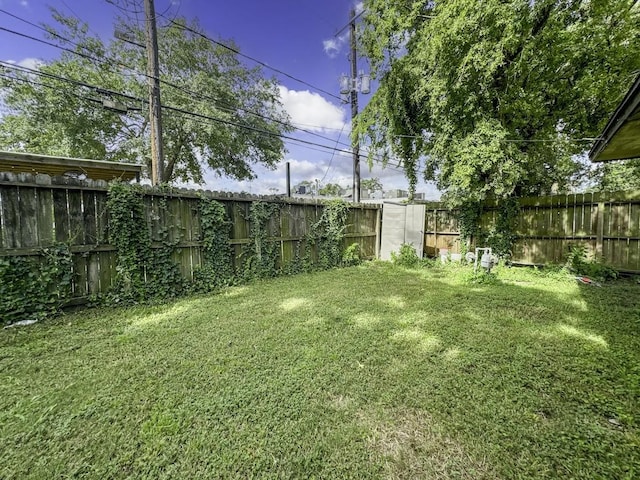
(142, 272)
(145, 234)
(217, 267)
(262, 254)
(500, 236)
(327, 234)
(32, 288)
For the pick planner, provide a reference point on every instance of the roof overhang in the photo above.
(17, 162)
(621, 137)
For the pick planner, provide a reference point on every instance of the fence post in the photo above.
(600, 231)
(435, 232)
(378, 230)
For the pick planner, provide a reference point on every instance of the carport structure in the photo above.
(620, 139)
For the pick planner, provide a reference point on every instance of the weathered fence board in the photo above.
(607, 224)
(38, 211)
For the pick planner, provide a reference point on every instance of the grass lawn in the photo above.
(367, 372)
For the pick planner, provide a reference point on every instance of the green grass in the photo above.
(372, 371)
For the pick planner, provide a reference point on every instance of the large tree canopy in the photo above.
(44, 114)
(495, 97)
(615, 176)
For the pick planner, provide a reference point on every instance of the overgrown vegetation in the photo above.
(144, 271)
(406, 257)
(32, 288)
(418, 375)
(327, 234)
(506, 92)
(503, 233)
(579, 264)
(146, 236)
(217, 268)
(500, 236)
(261, 256)
(352, 256)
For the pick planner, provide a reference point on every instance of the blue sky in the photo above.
(295, 36)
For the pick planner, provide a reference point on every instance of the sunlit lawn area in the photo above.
(366, 372)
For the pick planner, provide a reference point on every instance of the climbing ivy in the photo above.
(500, 237)
(261, 255)
(142, 272)
(32, 288)
(503, 233)
(327, 234)
(129, 234)
(164, 279)
(469, 214)
(217, 268)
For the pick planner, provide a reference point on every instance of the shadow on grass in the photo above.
(363, 372)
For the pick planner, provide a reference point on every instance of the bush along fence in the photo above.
(544, 230)
(67, 241)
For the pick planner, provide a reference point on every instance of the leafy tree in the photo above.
(495, 98)
(615, 176)
(372, 184)
(47, 115)
(331, 189)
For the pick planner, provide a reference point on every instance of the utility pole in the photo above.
(288, 180)
(354, 110)
(155, 106)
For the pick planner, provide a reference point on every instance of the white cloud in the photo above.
(24, 3)
(32, 63)
(333, 46)
(339, 170)
(311, 111)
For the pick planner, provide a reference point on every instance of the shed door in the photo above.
(402, 224)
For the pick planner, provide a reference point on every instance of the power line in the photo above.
(184, 114)
(170, 84)
(219, 104)
(69, 80)
(52, 87)
(259, 62)
(123, 9)
(173, 109)
(353, 19)
(178, 87)
(332, 156)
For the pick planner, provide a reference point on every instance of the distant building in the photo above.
(370, 194)
(302, 190)
(397, 193)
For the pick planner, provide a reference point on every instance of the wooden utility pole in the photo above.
(354, 109)
(155, 106)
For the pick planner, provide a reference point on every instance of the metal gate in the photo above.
(402, 224)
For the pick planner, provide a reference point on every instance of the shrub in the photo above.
(578, 263)
(406, 256)
(33, 288)
(352, 255)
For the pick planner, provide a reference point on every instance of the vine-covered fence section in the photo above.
(37, 212)
(607, 224)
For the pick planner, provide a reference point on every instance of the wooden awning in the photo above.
(16, 162)
(621, 137)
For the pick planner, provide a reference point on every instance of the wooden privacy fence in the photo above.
(608, 224)
(37, 211)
